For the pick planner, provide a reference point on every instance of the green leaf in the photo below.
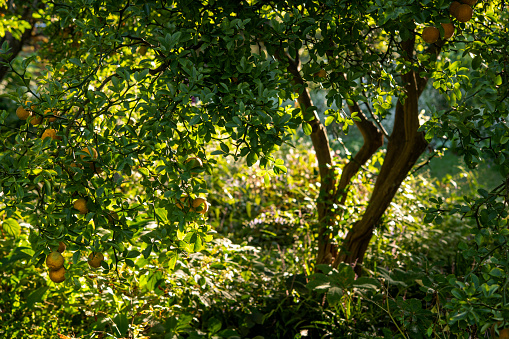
(278, 169)
(266, 179)
(161, 214)
(252, 158)
(133, 254)
(224, 148)
(329, 120)
(121, 324)
(195, 120)
(11, 227)
(334, 295)
(307, 128)
(498, 80)
(497, 272)
(146, 251)
(36, 296)
(476, 62)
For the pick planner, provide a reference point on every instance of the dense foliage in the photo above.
(160, 142)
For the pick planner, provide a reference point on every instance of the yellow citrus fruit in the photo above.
(50, 133)
(57, 276)
(200, 205)
(453, 7)
(194, 162)
(95, 168)
(61, 247)
(321, 73)
(430, 34)
(95, 259)
(503, 333)
(54, 260)
(448, 30)
(49, 114)
(36, 120)
(142, 50)
(184, 202)
(81, 205)
(94, 155)
(22, 113)
(464, 13)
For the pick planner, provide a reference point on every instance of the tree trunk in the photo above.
(404, 148)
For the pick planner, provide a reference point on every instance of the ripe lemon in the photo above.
(54, 260)
(142, 50)
(321, 73)
(448, 30)
(94, 155)
(95, 168)
(503, 333)
(95, 259)
(22, 113)
(430, 34)
(49, 114)
(61, 247)
(81, 205)
(464, 13)
(194, 163)
(50, 133)
(200, 205)
(453, 7)
(36, 120)
(184, 202)
(57, 276)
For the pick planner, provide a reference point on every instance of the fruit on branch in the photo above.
(183, 202)
(50, 133)
(95, 259)
(194, 164)
(54, 260)
(22, 113)
(112, 217)
(36, 120)
(57, 276)
(448, 30)
(464, 13)
(61, 247)
(142, 50)
(81, 205)
(321, 73)
(430, 34)
(200, 205)
(94, 155)
(454, 7)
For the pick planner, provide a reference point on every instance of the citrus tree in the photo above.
(137, 99)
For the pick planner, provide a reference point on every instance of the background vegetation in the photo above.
(436, 266)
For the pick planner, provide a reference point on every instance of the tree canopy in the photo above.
(126, 106)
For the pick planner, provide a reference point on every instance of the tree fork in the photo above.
(404, 148)
(329, 192)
